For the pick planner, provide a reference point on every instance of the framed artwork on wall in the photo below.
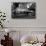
(23, 10)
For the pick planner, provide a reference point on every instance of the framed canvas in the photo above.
(23, 10)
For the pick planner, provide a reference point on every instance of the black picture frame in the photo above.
(23, 10)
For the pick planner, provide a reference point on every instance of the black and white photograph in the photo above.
(24, 10)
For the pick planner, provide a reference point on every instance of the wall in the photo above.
(40, 21)
(25, 25)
